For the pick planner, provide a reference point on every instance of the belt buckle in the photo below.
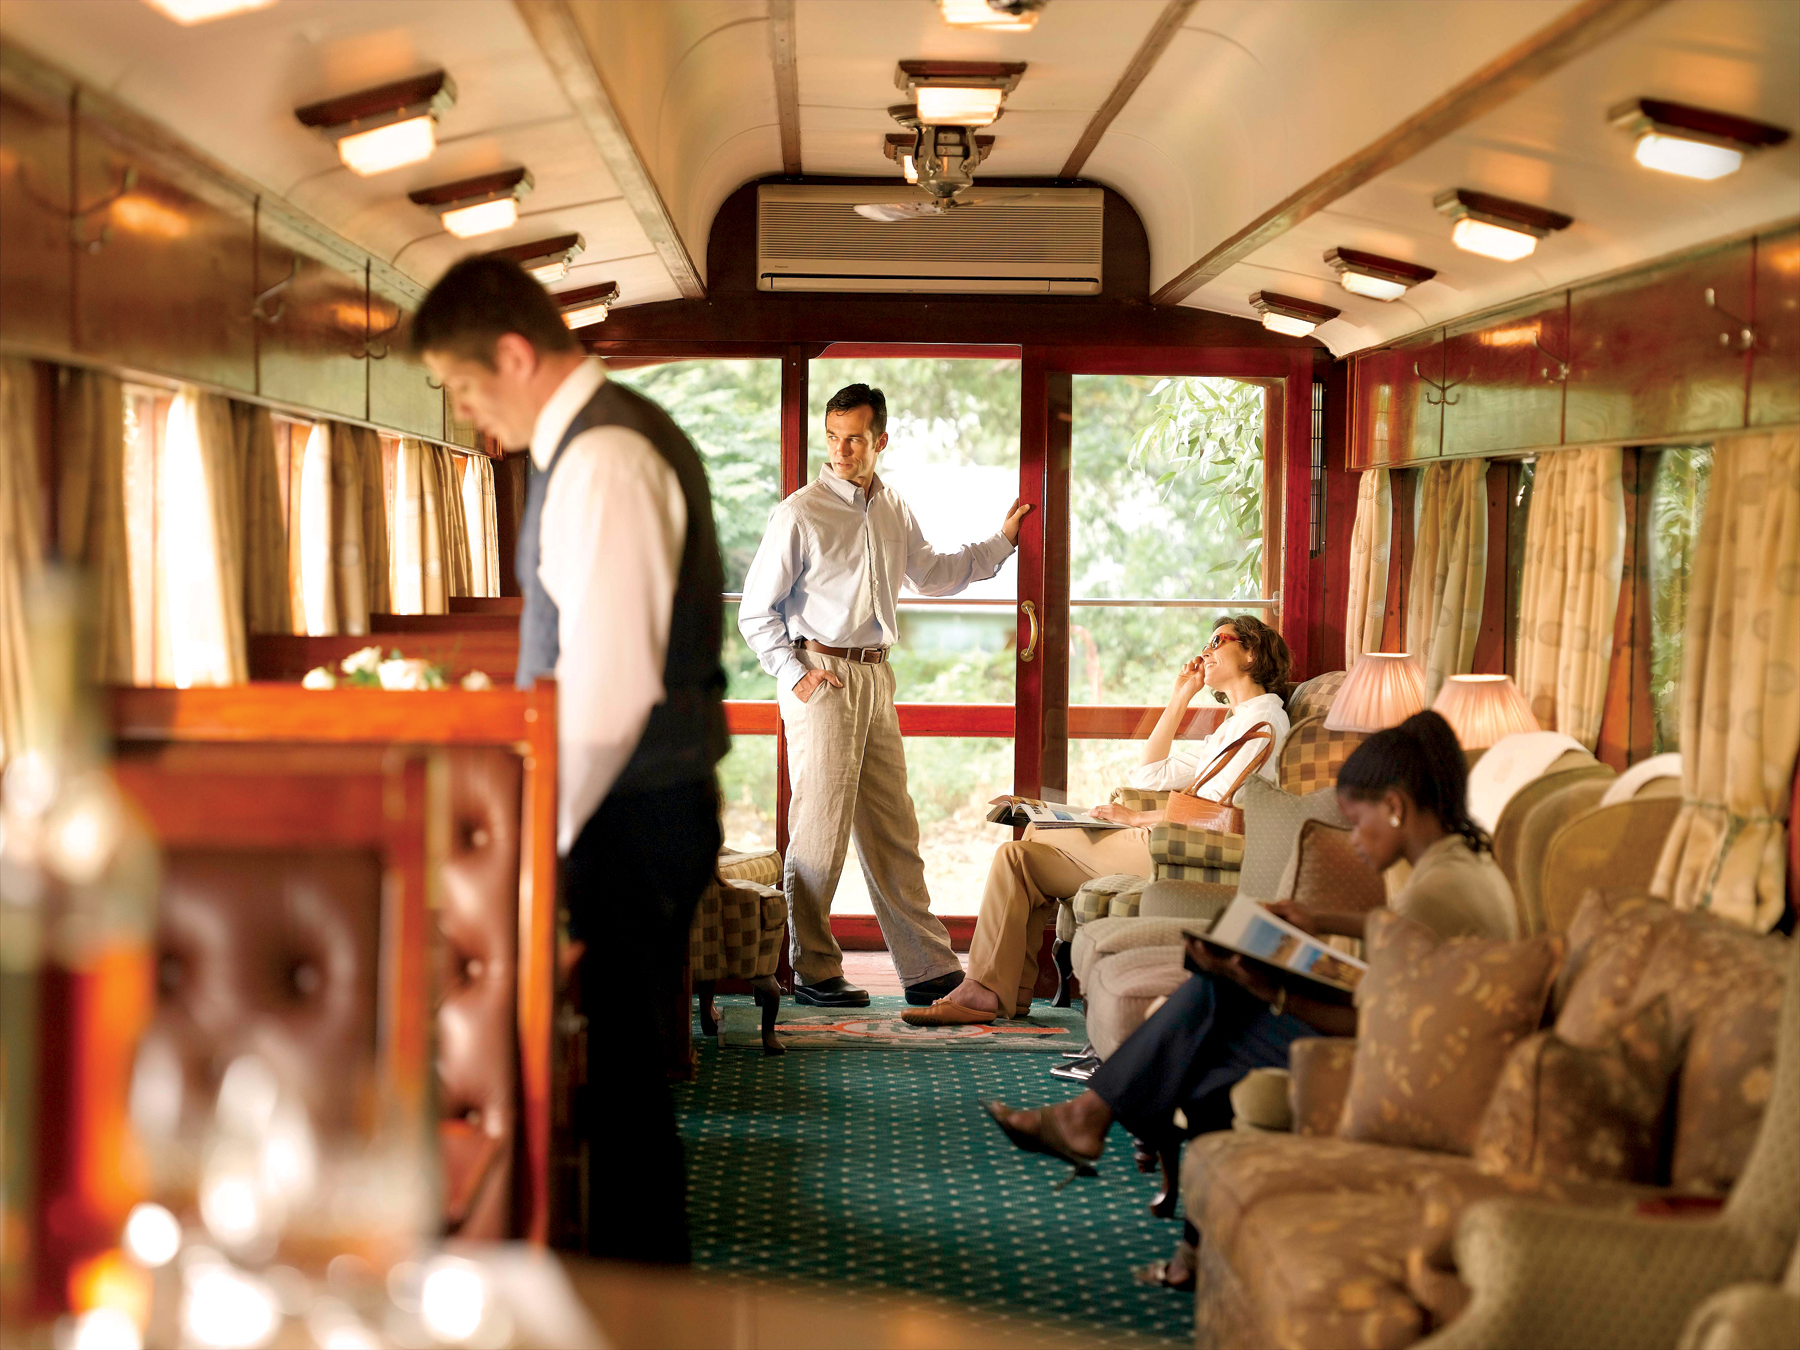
(862, 656)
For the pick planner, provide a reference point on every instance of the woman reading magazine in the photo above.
(1405, 793)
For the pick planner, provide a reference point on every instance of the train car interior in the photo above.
(899, 673)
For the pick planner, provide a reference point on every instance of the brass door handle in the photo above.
(1030, 611)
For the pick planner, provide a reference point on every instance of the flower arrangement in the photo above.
(368, 669)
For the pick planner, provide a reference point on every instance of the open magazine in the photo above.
(1044, 815)
(1249, 930)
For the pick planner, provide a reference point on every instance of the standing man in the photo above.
(622, 583)
(819, 612)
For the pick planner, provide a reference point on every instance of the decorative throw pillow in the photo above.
(1272, 821)
(1325, 873)
(1580, 1113)
(1438, 1019)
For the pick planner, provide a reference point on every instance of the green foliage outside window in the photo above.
(1677, 503)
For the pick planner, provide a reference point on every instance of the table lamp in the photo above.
(1481, 709)
(1382, 690)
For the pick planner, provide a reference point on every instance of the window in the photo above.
(1677, 503)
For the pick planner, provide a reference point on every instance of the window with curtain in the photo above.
(1677, 503)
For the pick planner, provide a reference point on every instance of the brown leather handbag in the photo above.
(1220, 817)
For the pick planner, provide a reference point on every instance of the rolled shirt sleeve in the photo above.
(934, 573)
(780, 559)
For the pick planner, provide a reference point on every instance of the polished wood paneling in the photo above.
(35, 260)
(287, 656)
(1508, 393)
(163, 281)
(313, 320)
(1775, 362)
(1646, 355)
(1397, 416)
(400, 395)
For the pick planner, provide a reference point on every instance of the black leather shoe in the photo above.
(927, 992)
(837, 992)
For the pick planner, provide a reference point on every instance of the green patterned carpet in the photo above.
(878, 1027)
(878, 1169)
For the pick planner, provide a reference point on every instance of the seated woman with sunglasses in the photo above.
(1242, 662)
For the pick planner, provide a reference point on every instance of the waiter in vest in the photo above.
(819, 612)
(622, 583)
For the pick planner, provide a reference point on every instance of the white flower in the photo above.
(319, 678)
(476, 680)
(368, 658)
(401, 673)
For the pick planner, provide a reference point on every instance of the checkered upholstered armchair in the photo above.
(737, 934)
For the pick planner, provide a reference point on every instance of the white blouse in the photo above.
(1187, 759)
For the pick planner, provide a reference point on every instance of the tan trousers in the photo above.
(1026, 880)
(847, 775)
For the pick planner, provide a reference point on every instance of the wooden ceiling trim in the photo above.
(564, 45)
(1577, 31)
(1155, 44)
(783, 56)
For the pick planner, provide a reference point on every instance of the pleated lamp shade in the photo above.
(1382, 690)
(1483, 708)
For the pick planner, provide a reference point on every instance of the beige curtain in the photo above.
(1569, 589)
(453, 524)
(1369, 543)
(431, 538)
(90, 526)
(268, 606)
(199, 557)
(1449, 570)
(315, 526)
(359, 534)
(1740, 669)
(21, 541)
(479, 509)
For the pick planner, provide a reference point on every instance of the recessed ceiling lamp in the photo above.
(190, 12)
(382, 129)
(899, 147)
(994, 16)
(1496, 227)
(958, 93)
(1290, 315)
(546, 259)
(588, 304)
(477, 206)
(1372, 275)
(1693, 142)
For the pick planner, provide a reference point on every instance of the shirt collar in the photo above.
(845, 490)
(571, 396)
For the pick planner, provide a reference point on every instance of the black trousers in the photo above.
(631, 883)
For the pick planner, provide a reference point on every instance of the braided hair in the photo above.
(1421, 757)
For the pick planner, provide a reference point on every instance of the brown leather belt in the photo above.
(868, 656)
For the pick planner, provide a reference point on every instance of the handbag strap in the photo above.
(1262, 731)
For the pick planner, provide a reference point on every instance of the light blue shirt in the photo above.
(808, 575)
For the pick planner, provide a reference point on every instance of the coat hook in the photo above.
(1562, 366)
(259, 307)
(368, 352)
(81, 213)
(1443, 399)
(1746, 335)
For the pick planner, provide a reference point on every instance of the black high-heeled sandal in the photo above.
(1048, 1141)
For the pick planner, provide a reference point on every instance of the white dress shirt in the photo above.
(830, 566)
(1187, 759)
(610, 544)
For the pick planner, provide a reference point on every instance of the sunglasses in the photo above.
(1217, 638)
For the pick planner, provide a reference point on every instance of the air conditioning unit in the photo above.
(1021, 241)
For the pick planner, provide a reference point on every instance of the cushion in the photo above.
(1609, 946)
(763, 866)
(1313, 698)
(1325, 873)
(1312, 755)
(1272, 821)
(1121, 988)
(1259, 1101)
(1577, 1113)
(1104, 937)
(1439, 1017)
(1101, 897)
(1196, 901)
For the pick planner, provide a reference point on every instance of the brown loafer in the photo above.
(944, 1013)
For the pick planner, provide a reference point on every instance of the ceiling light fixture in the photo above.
(588, 304)
(1371, 275)
(993, 16)
(546, 259)
(190, 12)
(1289, 315)
(476, 206)
(958, 93)
(1692, 142)
(905, 149)
(1496, 227)
(381, 129)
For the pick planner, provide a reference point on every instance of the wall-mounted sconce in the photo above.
(546, 259)
(1290, 315)
(1496, 227)
(1693, 142)
(993, 16)
(904, 149)
(381, 129)
(1371, 275)
(958, 93)
(476, 206)
(587, 304)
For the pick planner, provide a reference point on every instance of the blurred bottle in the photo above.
(78, 887)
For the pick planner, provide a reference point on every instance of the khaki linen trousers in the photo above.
(847, 778)
(1027, 878)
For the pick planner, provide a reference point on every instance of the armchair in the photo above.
(737, 934)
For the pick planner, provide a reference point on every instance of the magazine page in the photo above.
(1045, 815)
(1249, 928)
